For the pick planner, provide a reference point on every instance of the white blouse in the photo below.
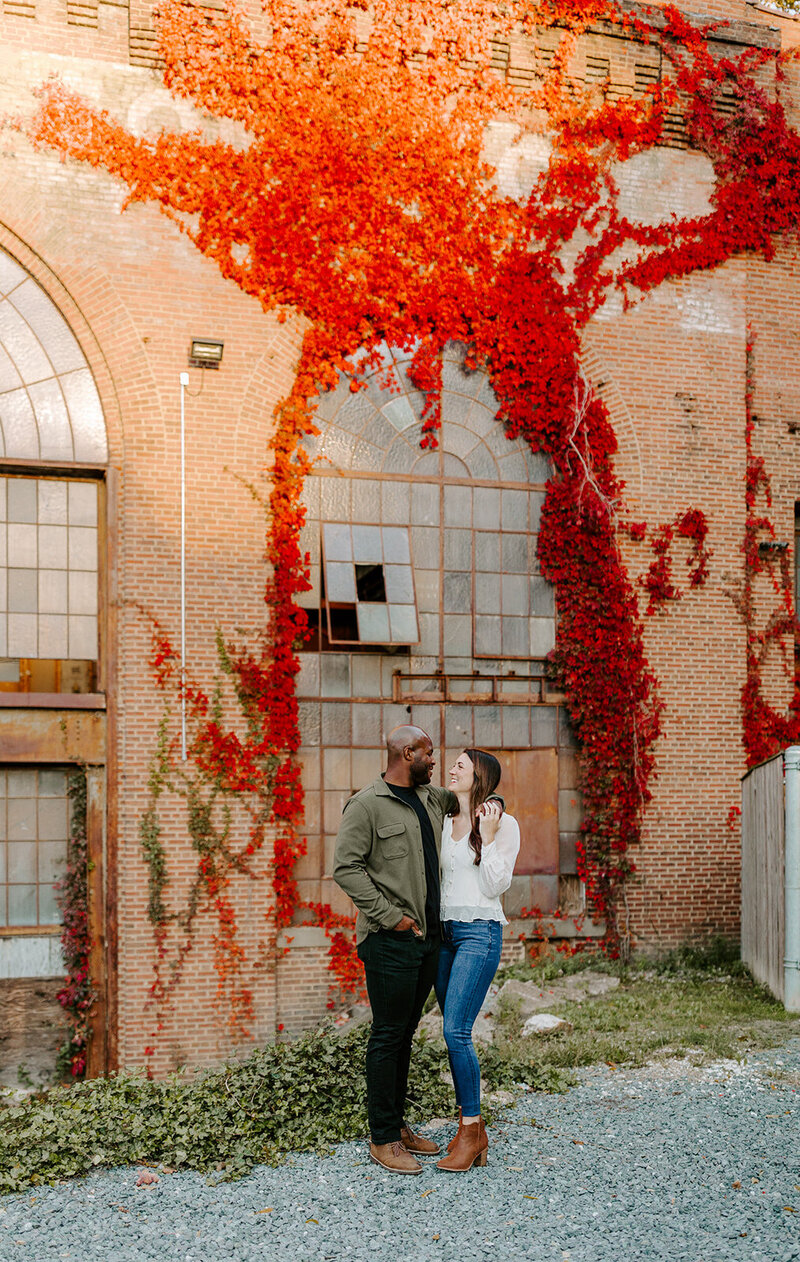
(470, 892)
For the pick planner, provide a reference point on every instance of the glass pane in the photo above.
(3, 877)
(366, 724)
(367, 766)
(482, 464)
(403, 624)
(55, 435)
(366, 675)
(543, 602)
(399, 413)
(544, 726)
(21, 905)
(22, 637)
(515, 594)
(336, 723)
(515, 554)
(395, 544)
(487, 508)
(427, 590)
(427, 465)
(22, 860)
(424, 504)
(86, 414)
(18, 423)
(82, 500)
(488, 731)
(52, 503)
(458, 726)
(367, 457)
(516, 637)
(52, 819)
(366, 500)
(340, 581)
(337, 768)
(514, 467)
(535, 504)
(52, 856)
(82, 548)
(54, 637)
(395, 503)
(373, 623)
(457, 634)
(367, 544)
(334, 499)
(487, 551)
(428, 633)
(82, 592)
(49, 912)
(427, 717)
(454, 467)
(53, 590)
(487, 635)
(457, 593)
(458, 549)
(308, 716)
(335, 675)
(542, 636)
(21, 784)
(22, 591)
(515, 510)
(52, 784)
(22, 545)
(399, 584)
(53, 547)
(426, 548)
(307, 678)
(487, 593)
(82, 637)
(516, 726)
(22, 499)
(338, 543)
(458, 506)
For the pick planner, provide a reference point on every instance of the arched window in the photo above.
(427, 605)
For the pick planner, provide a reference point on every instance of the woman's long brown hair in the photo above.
(486, 779)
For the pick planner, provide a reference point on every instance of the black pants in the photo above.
(400, 970)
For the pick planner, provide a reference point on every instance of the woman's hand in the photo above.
(489, 817)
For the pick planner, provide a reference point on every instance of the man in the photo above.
(387, 860)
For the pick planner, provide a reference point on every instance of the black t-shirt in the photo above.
(430, 854)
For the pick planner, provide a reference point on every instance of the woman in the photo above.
(480, 845)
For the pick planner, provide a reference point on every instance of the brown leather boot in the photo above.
(417, 1143)
(452, 1143)
(394, 1158)
(470, 1148)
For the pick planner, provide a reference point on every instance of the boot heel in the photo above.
(483, 1158)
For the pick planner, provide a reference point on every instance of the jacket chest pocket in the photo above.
(394, 841)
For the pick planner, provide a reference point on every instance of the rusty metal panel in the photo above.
(52, 736)
(530, 787)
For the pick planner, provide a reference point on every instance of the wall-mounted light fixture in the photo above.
(205, 353)
(768, 546)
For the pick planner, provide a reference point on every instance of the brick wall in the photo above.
(135, 292)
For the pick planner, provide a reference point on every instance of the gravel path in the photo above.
(667, 1162)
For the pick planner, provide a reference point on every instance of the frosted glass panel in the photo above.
(399, 584)
(50, 569)
(403, 624)
(337, 541)
(340, 581)
(395, 544)
(34, 828)
(373, 623)
(367, 546)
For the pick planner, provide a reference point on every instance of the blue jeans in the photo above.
(468, 961)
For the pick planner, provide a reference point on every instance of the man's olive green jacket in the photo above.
(378, 859)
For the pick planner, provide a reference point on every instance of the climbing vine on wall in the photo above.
(72, 893)
(358, 197)
(765, 730)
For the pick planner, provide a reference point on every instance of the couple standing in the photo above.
(426, 867)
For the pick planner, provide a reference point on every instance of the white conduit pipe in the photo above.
(184, 383)
(791, 881)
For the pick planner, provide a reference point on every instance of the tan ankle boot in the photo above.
(416, 1143)
(470, 1148)
(452, 1143)
(394, 1158)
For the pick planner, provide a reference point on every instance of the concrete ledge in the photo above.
(303, 936)
(548, 927)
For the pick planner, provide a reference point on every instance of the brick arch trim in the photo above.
(629, 457)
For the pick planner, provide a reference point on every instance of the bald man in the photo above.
(387, 860)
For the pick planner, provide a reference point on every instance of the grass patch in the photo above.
(667, 1015)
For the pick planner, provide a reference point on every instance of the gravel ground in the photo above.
(668, 1162)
